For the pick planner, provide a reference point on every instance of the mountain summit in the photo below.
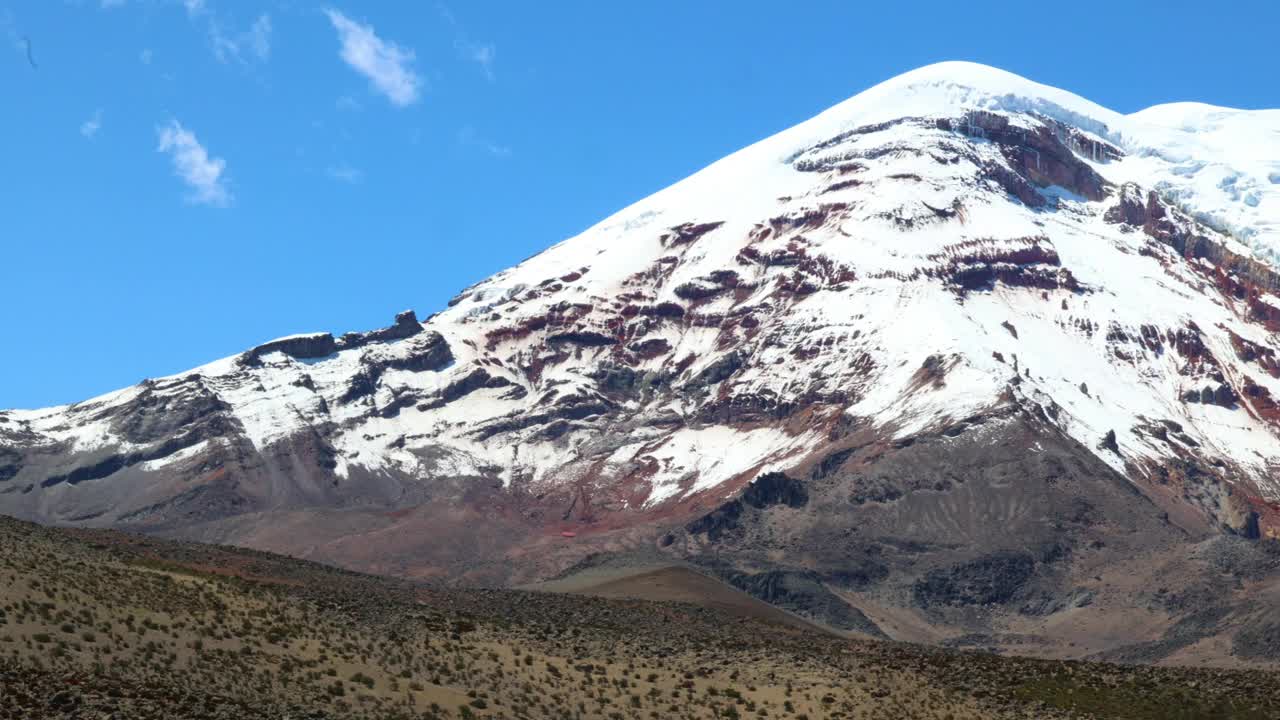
(962, 356)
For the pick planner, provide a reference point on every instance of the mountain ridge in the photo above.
(960, 341)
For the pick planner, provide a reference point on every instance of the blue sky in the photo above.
(182, 179)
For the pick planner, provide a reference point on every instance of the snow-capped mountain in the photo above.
(956, 271)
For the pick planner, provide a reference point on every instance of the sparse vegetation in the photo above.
(99, 624)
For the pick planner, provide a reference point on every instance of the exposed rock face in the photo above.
(302, 347)
(319, 345)
(989, 580)
(769, 489)
(806, 594)
(1109, 442)
(942, 351)
(775, 488)
(1053, 154)
(406, 325)
(1162, 221)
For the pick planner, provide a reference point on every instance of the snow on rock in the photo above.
(953, 240)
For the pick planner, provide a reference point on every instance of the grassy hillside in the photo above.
(94, 623)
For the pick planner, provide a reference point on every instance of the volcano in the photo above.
(964, 359)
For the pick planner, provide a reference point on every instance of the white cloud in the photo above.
(345, 173)
(260, 37)
(90, 127)
(484, 55)
(194, 7)
(469, 136)
(191, 162)
(252, 44)
(386, 64)
(145, 56)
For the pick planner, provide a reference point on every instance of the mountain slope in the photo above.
(960, 341)
(103, 624)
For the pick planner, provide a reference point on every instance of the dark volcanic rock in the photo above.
(720, 370)
(619, 380)
(708, 286)
(116, 462)
(804, 593)
(1108, 442)
(718, 521)
(316, 345)
(1224, 396)
(1166, 224)
(990, 580)
(572, 407)
(1259, 638)
(775, 488)
(585, 338)
(8, 467)
(769, 489)
(687, 233)
(406, 325)
(428, 352)
(472, 381)
(160, 412)
(1191, 628)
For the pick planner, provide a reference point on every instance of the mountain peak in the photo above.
(958, 310)
(953, 87)
(968, 84)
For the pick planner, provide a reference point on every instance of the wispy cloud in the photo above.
(145, 56)
(345, 173)
(253, 44)
(482, 54)
(21, 44)
(192, 163)
(194, 7)
(469, 137)
(90, 127)
(387, 65)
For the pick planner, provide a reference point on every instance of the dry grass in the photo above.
(94, 623)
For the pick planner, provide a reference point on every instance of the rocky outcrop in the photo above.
(584, 338)
(720, 370)
(1050, 154)
(775, 488)
(10, 464)
(1021, 262)
(767, 490)
(315, 345)
(425, 352)
(163, 409)
(1222, 395)
(709, 286)
(991, 580)
(318, 345)
(1108, 442)
(565, 409)
(475, 380)
(687, 233)
(116, 462)
(405, 326)
(1165, 223)
(805, 594)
